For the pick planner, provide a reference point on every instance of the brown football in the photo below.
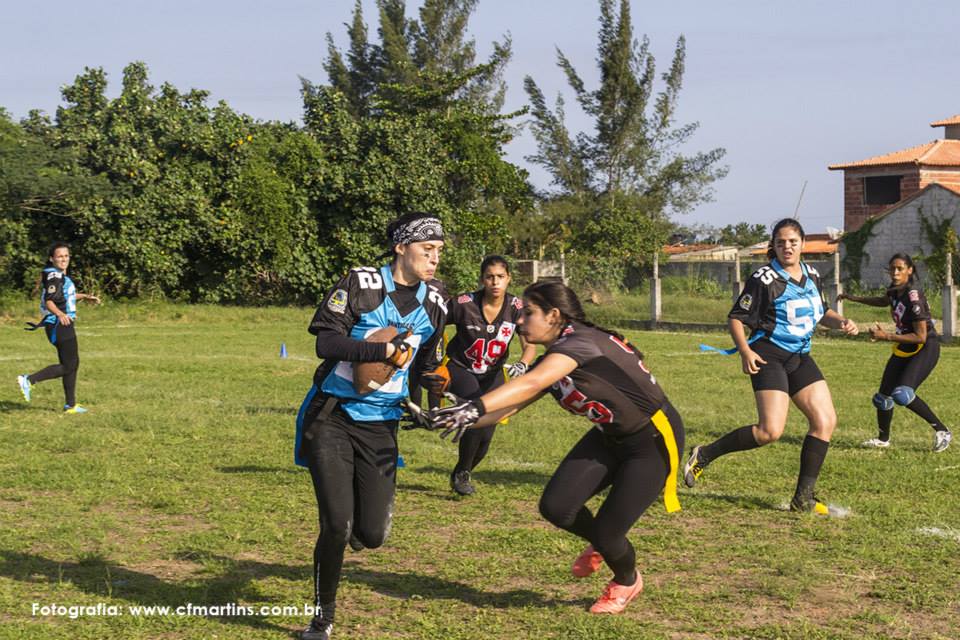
(370, 376)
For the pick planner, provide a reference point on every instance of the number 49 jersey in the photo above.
(479, 346)
(365, 300)
(780, 309)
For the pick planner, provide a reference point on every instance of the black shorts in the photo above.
(910, 371)
(785, 371)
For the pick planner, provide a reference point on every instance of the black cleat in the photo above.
(460, 483)
(318, 630)
(694, 467)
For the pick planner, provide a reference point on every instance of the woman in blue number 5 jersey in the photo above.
(782, 304)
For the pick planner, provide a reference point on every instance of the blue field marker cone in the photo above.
(400, 462)
(283, 349)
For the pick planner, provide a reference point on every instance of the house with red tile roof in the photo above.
(875, 185)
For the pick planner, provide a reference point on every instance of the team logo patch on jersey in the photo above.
(914, 295)
(338, 301)
(491, 328)
(517, 303)
(51, 289)
(745, 301)
(465, 298)
(916, 309)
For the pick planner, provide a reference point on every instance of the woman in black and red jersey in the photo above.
(916, 351)
(486, 321)
(632, 449)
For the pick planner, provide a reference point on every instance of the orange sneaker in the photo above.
(587, 563)
(616, 597)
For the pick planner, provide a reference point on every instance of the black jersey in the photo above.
(909, 305)
(610, 386)
(479, 346)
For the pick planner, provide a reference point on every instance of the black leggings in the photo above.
(634, 467)
(68, 353)
(353, 466)
(475, 442)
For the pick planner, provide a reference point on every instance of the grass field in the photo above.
(178, 487)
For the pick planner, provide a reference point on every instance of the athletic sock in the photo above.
(920, 408)
(326, 612)
(737, 440)
(812, 454)
(884, 418)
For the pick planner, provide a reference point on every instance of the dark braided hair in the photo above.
(550, 294)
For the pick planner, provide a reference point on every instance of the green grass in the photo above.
(179, 488)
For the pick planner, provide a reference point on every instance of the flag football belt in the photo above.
(733, 350)
(662, 425)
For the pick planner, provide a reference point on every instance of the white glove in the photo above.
(517, 369)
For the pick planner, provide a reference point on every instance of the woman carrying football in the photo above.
(632, 448)
(916, 351)
(347, 437)
(782, 304)
(486, 321)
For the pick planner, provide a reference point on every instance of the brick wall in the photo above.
(855, 212)
(941, 175)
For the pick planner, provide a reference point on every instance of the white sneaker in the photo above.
(875, 443)
(941, 440)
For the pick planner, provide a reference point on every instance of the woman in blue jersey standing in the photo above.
(348, 438)
(58, 315)
(782, 304)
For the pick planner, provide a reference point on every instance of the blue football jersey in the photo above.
(358, 305)
(59, 289)
(780, 309)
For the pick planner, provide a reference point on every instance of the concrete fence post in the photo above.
(949, 300)
(737, 285)
(656, 308)
(837, 287)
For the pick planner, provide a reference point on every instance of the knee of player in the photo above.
(373, 538)
(555, 512)
(339, 532)
(903, 395)
(882, 402)
(766, 433)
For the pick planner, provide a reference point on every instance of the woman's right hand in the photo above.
(751, 361)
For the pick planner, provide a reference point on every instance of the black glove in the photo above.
(402, 350)
(457, 418)
(414, 417)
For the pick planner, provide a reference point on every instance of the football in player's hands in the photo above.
(370, 376)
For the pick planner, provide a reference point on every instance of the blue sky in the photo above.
(786, 87)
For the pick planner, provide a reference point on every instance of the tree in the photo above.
(743, 234)
(630, 174)
(413, 122)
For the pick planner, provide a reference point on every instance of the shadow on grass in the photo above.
(100, 576)
(740, 500)
(7, 406)
(286, 411)
(495, 476)
(405, 585)
(253, 468)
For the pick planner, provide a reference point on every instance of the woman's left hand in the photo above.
(877, 333)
